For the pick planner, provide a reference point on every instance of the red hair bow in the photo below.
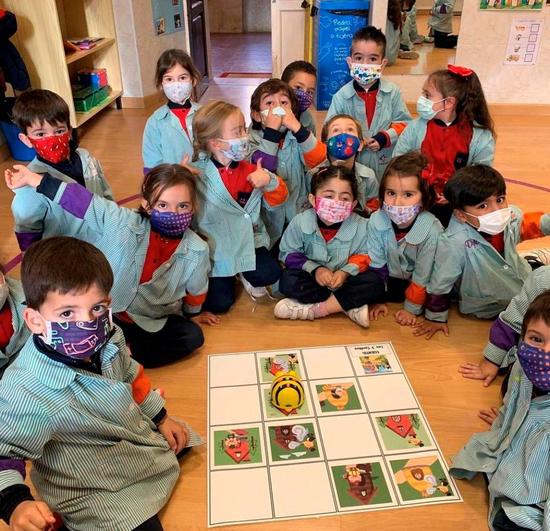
(461, 71)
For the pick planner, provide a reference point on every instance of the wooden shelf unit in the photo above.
(42, 27)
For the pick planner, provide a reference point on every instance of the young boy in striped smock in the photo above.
(75, 403)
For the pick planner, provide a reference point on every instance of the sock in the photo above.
(320, 310)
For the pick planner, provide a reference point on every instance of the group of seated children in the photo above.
(382, 208)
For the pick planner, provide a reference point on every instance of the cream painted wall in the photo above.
(482, 46)
(257, 16)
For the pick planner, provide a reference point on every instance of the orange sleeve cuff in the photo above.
(398, 127)
(194, 300)
(277, 196)
(141, 386)
(372, 204)
(416, 294)
(317, 155)
(530, 227)
(362, 261)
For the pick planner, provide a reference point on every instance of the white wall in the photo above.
(257, 16)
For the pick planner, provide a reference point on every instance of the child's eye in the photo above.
(535, 339)
(161, 205)
(408, 194)
(483, 206)
(390, 193)
(60, 131)
(99, 309)
(501, 199)
(183, 206)
(66, 314)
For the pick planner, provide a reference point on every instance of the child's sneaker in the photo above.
(419, 39)
(291, 309)
(429, 40)
(536, 257)
(255, 293)
(407, 55)
(360, 315)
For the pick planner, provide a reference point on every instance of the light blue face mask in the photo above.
(239, 148)
(425, 107)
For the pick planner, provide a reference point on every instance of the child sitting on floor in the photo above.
(515, 453)
(301, 77)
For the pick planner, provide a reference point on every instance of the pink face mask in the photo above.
(333, 211)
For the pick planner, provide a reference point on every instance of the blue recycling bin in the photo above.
(334, 24)
(18, 150)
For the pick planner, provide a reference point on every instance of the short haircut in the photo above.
(62, 264)
(538, 309)
(410, 164)
(472, 185)
(329, 122)
(369, 33)
(267, 88)
(297, 66)
(324, 175)
(40, 106)
(170, 58)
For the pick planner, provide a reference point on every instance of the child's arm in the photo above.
(274, 188)
(484, 152)
(399, 119)
(292, 249)
(267, 148)
(107, 192)
(29, 212)
(151, 153)
(534, 225)
(314, 151)
(197, 286)
(407, 141)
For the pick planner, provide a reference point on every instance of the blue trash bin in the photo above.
(18, 150)
(334, 24)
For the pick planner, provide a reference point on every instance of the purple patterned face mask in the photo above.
(79, 340)
(170, 224)
(305, 99)
(535, 362)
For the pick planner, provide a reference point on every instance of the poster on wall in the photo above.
(167, 16)
(524, 41)
(511, 4)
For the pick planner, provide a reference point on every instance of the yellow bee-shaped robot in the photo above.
(287, 392)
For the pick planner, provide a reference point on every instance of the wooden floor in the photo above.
(449, 401)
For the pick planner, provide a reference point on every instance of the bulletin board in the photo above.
(167, 16)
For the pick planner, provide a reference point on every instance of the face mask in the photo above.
(170, 224)
(535, 362)
(54, 149)
(305, 99)
(331, 210)
(402, 215)
(277, 111)
(79, 339)
(239, 148)
(343, 146)
(494, 222)
(425, 107)
(4, 292)
(365, 74)
(178, 91)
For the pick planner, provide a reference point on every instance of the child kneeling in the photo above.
(324, 250)
(75, 403)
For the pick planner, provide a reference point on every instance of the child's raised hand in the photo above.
(175, 433)
(291, 122)
(273, 121)
(405, 318)
(20, 176)
(429, 328)
(488, 415)
(323, 276)
(259, 177)
(338, 279)
(378, 310)
(485, 370)
(208, 318)
(31, 516)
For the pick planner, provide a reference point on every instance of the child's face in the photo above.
(270, 101)
(303, 80)
(336, 189)
(342, 125)
(176, 199)
(68, 307)
(491, 204)
(233, 127)
(440, 103)
(366, 52)
(177, 73)
(402, 191)
(39, 130)
(538, 334)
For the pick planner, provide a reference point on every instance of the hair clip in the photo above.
(461, 71)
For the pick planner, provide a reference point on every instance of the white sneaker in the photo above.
(255, 293)
(360, 315)
(291, 309)
(536, 257)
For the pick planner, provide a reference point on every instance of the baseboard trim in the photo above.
(506, 109)
(142, 103)
(4, 152)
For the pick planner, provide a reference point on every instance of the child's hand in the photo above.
(378, 310)
(429, 328)
(175, 433)
(323, 276)
(208, 318)
(485, 371)
(338, 279)
(186, 163)
(488, 415)
(31, 516)
(372, 144)
(273, 121)
(259, 178)
(405, 318)
(440, 199)
(21, 176)
(291, 122)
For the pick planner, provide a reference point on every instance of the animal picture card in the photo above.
(403, 431)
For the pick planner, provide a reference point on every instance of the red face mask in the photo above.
(54, 148)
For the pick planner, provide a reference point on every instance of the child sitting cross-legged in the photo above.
(75, 404)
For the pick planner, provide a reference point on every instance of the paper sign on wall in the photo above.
(524, 41)
(167, 16)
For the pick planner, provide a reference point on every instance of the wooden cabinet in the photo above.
(42, 26)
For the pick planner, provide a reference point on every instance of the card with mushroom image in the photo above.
(296, 441)
(405, 430)
(237, 446)
(336, 396)
(270, 364)
(422, 477)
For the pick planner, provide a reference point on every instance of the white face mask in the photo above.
(494, 222)
(425, 107)
(277, 111)
(178, 91)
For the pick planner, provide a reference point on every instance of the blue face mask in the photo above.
(535, 362)
(170, 224)
(425, 107)
(239, 148)
(343, 146)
